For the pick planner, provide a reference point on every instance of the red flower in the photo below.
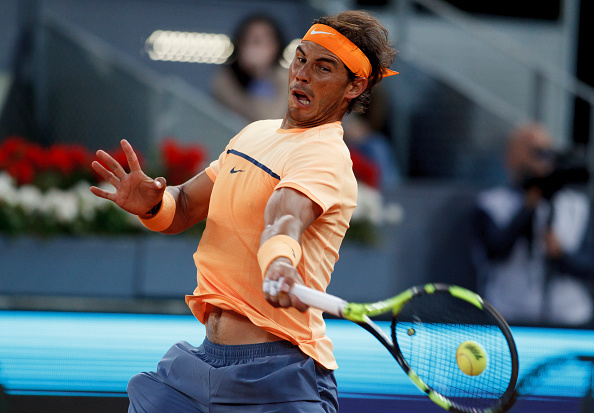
(37, 155)
(181, 162)
(58, 160)
(25, 160)
(364, 169)
(79, 156)
(22, 172)
(11, 150)
(16, 159)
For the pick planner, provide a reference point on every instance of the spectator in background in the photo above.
(373, 160)
(253, 83)
(533, 247)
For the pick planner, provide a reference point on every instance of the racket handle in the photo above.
(326, 302)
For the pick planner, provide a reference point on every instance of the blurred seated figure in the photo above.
(534, 244)
(373, 160)
(253, 83)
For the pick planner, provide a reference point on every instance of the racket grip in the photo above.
(327, 302)
(308, 296)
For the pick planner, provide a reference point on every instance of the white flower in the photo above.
(7, 188)
(369, 205)
(88, 202)
(62, 204)
(393, 213)
(29, 198)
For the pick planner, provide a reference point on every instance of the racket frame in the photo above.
(506, 400)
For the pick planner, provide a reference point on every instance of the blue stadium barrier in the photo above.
(95, 354)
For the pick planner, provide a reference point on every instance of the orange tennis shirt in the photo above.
(256, 162)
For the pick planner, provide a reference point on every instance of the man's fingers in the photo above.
(272, 299)
(102, 194)
(277, 286)
(105, 174)
(160, 183)
(284, 300)
(279, 300)
(272, 291)
(277, 293)
(295, 302)
(111, 163)
(130, 156)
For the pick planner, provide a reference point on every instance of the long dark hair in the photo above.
(244, 77)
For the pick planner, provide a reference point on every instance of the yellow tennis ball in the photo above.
(471, 358)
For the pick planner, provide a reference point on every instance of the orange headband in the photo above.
(344, 49)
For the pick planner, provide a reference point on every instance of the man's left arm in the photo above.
(288, 214)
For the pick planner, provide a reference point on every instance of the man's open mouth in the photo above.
(302, 98)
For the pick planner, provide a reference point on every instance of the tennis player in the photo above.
(277, 203)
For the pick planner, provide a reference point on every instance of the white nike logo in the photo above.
(314, 31)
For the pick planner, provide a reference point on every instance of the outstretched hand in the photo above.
(135, 192)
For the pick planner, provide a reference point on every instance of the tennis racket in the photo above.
(429, 322)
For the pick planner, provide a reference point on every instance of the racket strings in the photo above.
(440, 370)
(430, 329)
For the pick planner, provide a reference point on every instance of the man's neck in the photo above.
(288, 123)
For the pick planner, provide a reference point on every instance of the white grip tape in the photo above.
(308, 296)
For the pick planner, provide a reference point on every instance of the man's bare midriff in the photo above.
(230, 328)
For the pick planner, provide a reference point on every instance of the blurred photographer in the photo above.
(533, 245)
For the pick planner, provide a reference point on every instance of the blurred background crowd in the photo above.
(472, 163)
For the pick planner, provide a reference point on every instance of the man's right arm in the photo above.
(191, 199)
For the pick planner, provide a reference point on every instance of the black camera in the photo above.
(570, 169)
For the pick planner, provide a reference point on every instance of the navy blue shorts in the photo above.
(213, 378)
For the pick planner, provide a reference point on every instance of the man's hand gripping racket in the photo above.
(429, 325)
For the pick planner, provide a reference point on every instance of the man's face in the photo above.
(538, 157)
(531, 154)
(319, 87)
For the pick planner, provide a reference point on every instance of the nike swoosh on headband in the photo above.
(314, 31)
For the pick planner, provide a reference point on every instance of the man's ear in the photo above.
(356, 87)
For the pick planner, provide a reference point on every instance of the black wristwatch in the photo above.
(155, 209)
